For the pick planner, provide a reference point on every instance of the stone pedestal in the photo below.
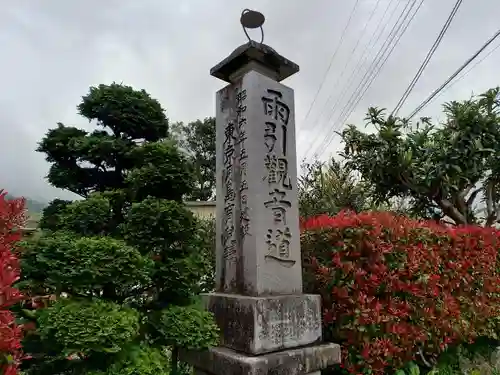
(257, 325)
(298, 361)
(268, 326)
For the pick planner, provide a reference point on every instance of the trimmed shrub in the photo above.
(87, 327)
(393, 287)
(12, 219)
(138, 360)
(84, 266)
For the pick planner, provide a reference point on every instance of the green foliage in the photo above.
(117, 258)
(88, 326)
(207, 229)
(161, 171)
(410, 369)
(329, 188)
(84, 162)
(197, 139)
(171, 324)
(149, 222)
(179, 264)
(88, 217)
(126, 112)
(472, 359)
(175, 321)
(51, 218)
(442, 169)
(84, 266)
(138, 360)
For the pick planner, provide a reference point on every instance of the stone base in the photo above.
(299, 361)
(257, 325)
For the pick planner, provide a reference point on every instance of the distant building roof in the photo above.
(201, 203)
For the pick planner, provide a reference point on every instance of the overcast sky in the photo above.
(52, 51)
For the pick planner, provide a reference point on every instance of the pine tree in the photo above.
(113, 275)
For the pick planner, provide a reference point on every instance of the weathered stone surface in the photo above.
(254, 56)
(256, 325)
(258, 238)
(301, 361)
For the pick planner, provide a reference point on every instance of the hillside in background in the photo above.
(32, 205)
(34, 208)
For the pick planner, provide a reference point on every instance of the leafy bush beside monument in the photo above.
(393, 287)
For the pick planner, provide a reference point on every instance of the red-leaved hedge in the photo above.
(394, 287)
(12, 218)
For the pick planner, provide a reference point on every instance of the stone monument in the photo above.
(268, 326)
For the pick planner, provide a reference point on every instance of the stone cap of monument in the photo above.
(258, 53)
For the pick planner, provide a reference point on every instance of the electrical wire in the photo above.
(371, 74)
(457, 72)
(316, 138)
(358, 95)
(365, 85)
(465, 73)
(352, 52)
(427, 59)
(331, 62)
(392, 34)
(356, 70)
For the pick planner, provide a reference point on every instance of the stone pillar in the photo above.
(268, 326)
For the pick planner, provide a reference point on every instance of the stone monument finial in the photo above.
(254, 56)
(251, 19)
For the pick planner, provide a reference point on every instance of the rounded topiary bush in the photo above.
(173, 323)
(82, 266)
(138, 360)
(87, 326)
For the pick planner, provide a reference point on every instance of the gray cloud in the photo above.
(54, 50)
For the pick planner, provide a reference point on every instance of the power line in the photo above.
(331, 61)
(457, 72)
(466, 72)
(377, 69)
(311, 147)
(370, 75)
(358, 95)
(360, 63)
(352, 52)
(427, 59)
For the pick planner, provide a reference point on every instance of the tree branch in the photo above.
(466, 191)
(444, 204)
(426, 363)
(452, 211)
(473, 196)
(462, 203)
(491, 208)
(447, 222)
